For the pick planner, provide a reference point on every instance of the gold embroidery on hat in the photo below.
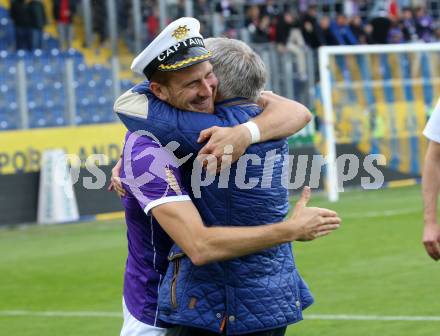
(180, 32)
(188, 60)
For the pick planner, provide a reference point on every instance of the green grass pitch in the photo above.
(374, 265)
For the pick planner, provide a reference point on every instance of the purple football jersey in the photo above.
(151, 177)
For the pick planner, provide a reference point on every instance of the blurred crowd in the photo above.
(383, 24)
(346, 22)
(295, 25)
(351, 24)
(291, 24)
(29, 18)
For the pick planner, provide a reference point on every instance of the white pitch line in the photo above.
(369, 317)
(60, 313)
(384, 213)
(342, 317)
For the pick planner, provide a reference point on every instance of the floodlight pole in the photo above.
(137, 25)
(87, 15)
(112, 25)
(266, 59)
(288, 74)
(22, 91)
(163, 14)
(70, 91)
(329, 131)
(189, 8)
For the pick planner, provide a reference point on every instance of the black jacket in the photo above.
(19, 13)
(313, 38)
(37, 15)
(381, 27)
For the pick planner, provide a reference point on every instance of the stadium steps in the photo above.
(90, 55)
(51, 27)
(45, 70)
(100, 55)
(45, 73)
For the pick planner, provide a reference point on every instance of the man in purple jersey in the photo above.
(152, 179)
(147, 187)
(154, 190)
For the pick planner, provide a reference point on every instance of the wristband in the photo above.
(254, 130)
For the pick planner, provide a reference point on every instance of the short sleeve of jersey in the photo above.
(151, 173)
(432, 129)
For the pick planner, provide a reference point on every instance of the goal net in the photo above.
(375, 100)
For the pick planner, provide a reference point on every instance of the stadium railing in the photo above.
(55, 88)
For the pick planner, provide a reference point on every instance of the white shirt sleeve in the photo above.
(432, 129)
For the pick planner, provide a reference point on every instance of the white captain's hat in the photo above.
(178, 46)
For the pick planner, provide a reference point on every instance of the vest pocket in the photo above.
(175, 259)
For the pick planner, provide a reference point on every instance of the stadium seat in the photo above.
(49, 115)
(126, 85)
(46, 95)
(4, 13)
(9, 116)
(50, 42)
(6, 33)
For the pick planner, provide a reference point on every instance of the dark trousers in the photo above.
(36, 39)
(188, 331)
(23, 38)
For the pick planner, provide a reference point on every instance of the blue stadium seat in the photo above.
(75, 55)
(47, 116)
(57, 94)
(8, 93)
(4, 13)
(8, 67)
(82, 74)
(105, 109)
(126, 85)
(50, 43)
(83, 110)
(46, 96)
(9, 118)
(37, 118)
(7, 39)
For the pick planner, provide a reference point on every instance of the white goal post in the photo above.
(325, 53)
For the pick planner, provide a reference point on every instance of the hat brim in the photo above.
(186, 58)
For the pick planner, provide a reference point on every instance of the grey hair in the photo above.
(240, 71)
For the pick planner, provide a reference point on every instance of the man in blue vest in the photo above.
(209, 296)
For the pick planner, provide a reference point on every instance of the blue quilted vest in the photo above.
(257, 292)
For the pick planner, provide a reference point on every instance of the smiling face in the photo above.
(192, 88)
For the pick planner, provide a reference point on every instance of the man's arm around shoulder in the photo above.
(281, 117)
(202, 244)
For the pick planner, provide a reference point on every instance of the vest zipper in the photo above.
(176, 264)
(175, 259)
(223, 324)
